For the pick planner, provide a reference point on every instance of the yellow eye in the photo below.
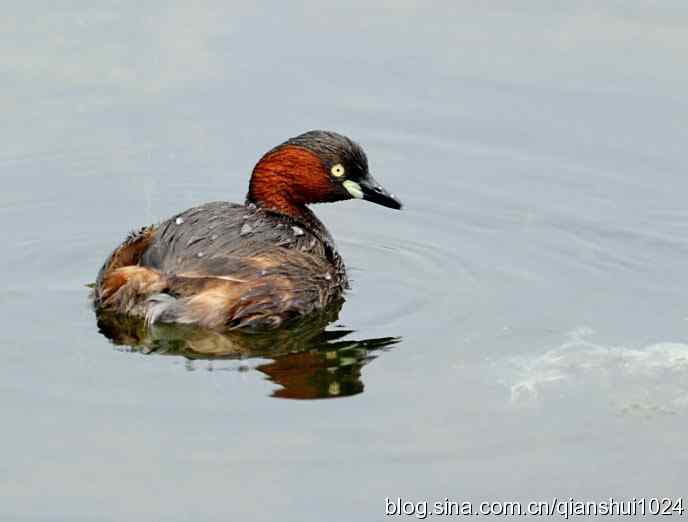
(338, 170)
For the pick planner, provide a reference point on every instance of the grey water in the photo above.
(518, 332)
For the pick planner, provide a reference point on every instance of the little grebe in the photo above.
(253, 265)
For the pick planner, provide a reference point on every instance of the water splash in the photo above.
(644, 380)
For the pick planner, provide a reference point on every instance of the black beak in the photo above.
(375, 193)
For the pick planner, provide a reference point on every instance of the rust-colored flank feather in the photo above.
(255, 265)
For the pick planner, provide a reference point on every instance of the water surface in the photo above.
(517, 332)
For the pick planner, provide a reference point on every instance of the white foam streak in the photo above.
(631, 377)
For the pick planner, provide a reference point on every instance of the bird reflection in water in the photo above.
(308, 361)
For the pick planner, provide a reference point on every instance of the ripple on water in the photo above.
(406, 280)
(59, 263)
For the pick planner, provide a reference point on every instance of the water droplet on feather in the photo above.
(179, 221)
(246, 229)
